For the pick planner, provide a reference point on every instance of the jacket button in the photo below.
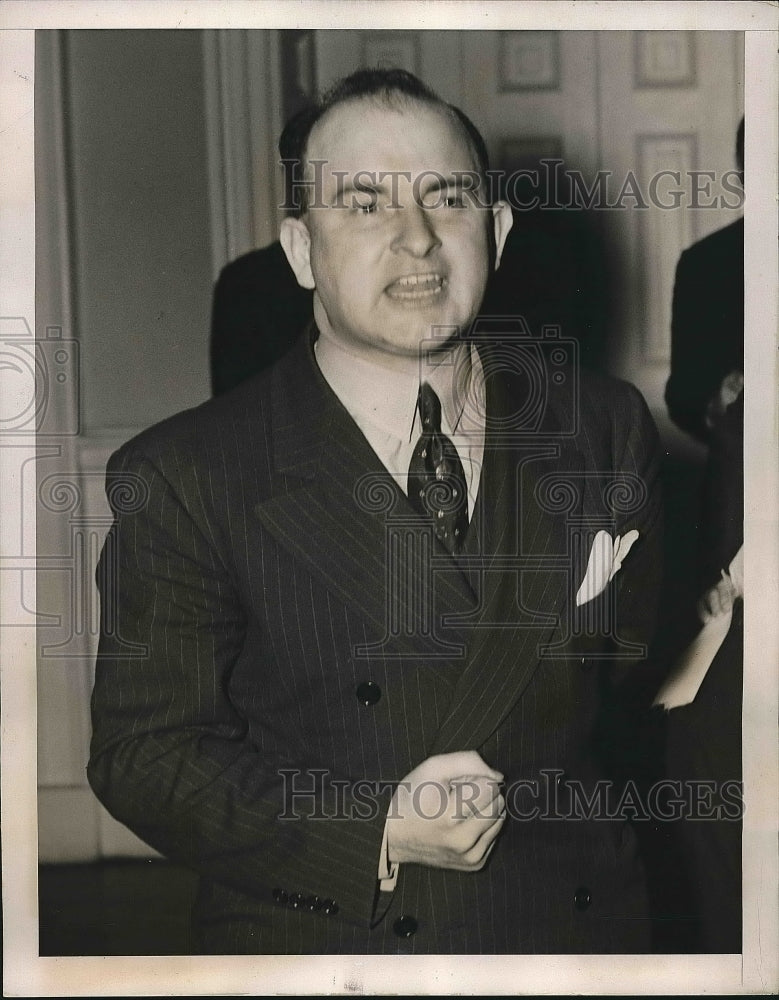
(279, 896)
(296, 900)
(582, 898)
(329, 906)
(313, 903)
(368, 693)
(405, 926)
(586, 663)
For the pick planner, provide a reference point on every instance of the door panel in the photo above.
(668, 100)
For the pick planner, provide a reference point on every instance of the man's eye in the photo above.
(368, 208)
(454, 201)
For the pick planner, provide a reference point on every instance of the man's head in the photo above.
(393, 237)
(395, 87)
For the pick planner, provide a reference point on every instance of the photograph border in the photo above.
(26, 974)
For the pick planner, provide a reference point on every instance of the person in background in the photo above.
(258, 309)
(258, 312)
(707, 378)
(705, 396)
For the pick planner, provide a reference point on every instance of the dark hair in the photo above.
(391, 86)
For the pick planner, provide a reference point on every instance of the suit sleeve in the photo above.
(170, 755)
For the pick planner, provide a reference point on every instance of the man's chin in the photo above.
(425, 335)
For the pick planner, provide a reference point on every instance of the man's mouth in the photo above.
(413, 288)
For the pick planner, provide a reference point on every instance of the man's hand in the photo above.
(446, 813)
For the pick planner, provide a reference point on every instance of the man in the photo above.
(367, 635)
(259, 310)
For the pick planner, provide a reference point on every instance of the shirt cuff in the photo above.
(388, 871)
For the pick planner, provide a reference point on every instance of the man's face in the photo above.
(394, 252)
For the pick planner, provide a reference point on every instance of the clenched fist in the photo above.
(446, 813)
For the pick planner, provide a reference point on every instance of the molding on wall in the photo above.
(73, 826)
(63, 717)
(664, 59)
(52, 198)
(242, 98)
(667, 233)
(67, 810)
(528, 60)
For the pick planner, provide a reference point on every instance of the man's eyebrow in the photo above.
(367, 182)
(439, 182)
(345, 185)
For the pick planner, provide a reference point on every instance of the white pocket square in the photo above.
(605, 561)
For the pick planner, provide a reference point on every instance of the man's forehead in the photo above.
(357, 128)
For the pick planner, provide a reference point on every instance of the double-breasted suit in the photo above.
(283, 639)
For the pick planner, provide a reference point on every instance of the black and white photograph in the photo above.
(380, 493)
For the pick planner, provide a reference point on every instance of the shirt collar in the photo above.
(388, 397)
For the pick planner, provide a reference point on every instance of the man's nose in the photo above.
(416, 232)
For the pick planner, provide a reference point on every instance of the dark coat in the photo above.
(707, 325)
(264, 567)
(257, 313)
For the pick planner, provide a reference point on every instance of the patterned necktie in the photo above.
(436, 480)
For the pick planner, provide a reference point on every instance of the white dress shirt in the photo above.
(382, 401)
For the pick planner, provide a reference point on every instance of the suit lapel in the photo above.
(525, 574)
(343, 515)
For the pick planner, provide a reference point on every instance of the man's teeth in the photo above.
(418, 283)
(420, 279)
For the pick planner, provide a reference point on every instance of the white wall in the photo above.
(140, 222)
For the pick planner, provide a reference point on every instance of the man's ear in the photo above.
(502, 220)
(296, 244)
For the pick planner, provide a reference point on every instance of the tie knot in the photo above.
(429, 409)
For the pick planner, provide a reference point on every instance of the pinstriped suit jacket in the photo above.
(263, 565)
